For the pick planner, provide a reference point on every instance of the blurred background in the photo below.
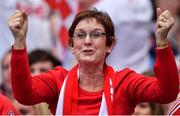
(49, 20)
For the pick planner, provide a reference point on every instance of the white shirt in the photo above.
(132, 21)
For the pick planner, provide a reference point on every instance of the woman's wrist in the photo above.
(162, 44)
(19, 44)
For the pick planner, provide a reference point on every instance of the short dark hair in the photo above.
(102, 17)
(40, 55)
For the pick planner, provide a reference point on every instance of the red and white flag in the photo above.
(66, 11)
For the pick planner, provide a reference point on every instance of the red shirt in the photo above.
(6, 107)
(89, 102)
(130, 88)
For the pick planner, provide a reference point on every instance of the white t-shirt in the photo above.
(132, 21)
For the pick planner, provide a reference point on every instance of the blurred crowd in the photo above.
(47, 39)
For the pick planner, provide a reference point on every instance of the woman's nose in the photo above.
(88, 40)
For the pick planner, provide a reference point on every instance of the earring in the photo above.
(72, 50)
(109, 51)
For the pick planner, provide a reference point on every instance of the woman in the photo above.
(92, 87)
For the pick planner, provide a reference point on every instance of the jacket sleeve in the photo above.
(163, 88)
(28, 89)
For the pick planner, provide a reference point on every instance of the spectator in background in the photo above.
(148, 109)
(6, 87)
(133, 24)
(42, 61)
(171, 5)
(6, 107)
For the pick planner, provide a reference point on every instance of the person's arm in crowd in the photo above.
(6, 107)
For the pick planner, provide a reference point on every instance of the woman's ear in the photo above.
(109, 51)
(72, 50)
(71, 45)
(112, 45)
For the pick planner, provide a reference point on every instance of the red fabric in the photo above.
(130, 88)
(6, 107)
(60, 5)
(65, 10)
(52, 4)
(109, 73)
(71, 91)
(63, 34)
(89, 102)
(177, 112)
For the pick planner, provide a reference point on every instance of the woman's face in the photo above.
(91, 47)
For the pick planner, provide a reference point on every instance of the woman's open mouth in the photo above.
(88, 52)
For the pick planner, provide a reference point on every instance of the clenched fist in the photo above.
(164, 23)
(18, 24)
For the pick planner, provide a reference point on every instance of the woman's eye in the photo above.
(81, 35)
(95, 34)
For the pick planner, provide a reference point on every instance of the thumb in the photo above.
(24, 14)
(158, 12)
(25, 20)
